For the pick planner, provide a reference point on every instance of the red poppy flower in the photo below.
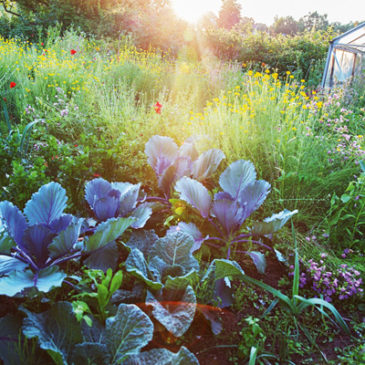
(12, 84)
(158, 108)
(73, 52)
(75, 145)
(42, 44)
(96, 175)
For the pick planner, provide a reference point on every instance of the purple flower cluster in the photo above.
(340, 284)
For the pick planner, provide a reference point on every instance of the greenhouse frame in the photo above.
(345, 58)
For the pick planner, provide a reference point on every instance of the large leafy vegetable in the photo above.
(36, 243)
(171, 162)
(227, 212)
(118, 199)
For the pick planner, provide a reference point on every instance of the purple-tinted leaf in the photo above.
(65, 240)
(222, 195)
(36, 240)
(13, 221)
(192, 229)
(237, 176)
(188, 150)
(207, 164)
(194, 193)
(61, 223)
(96, 189)
(253, 196)
(181, 167)
(223, 293)
(259, 260)
(106, 208)
(161, 152)
(46, 205)
(128, 196)
(228, 213)
(9, 263)
(167, 180)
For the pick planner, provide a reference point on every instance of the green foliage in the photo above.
(229, 14)
(97, 302)
(346, 216)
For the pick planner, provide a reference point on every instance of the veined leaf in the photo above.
(273, 223)
(177, 316)
(194, 193)
(207, 164)
(259, 260)
(65, 240)
(137, 266)
(161, 153)
(127, 332)
(175, 249)
(107, 232)
(12, 219)
(163, 357)
(237, 176)
(96, 189)
(57, 330)
(9, 263)
(46, 205)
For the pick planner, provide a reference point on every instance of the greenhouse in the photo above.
(346, 57)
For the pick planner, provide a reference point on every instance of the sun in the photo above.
(193, 10)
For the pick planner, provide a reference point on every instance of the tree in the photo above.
(229, 14)
(313, 21)
(285, 25)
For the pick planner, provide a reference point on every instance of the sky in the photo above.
(264, 11)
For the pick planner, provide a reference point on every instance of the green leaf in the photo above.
(107, 232)
(177, 316)
(174, 249)
(137, 266)
(10, 332)
(103, 258)
(127, 332)
(57, 331)
(317, 302)
(91, 353)
(6, 242)
(224, 268)
(116, 281)
(181, 282)
(163, 357)
(273, 223)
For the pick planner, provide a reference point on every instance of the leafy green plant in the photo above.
(106, 284)
(346, 215)
(296, 304)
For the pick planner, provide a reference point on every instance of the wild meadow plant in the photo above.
(293, 136)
